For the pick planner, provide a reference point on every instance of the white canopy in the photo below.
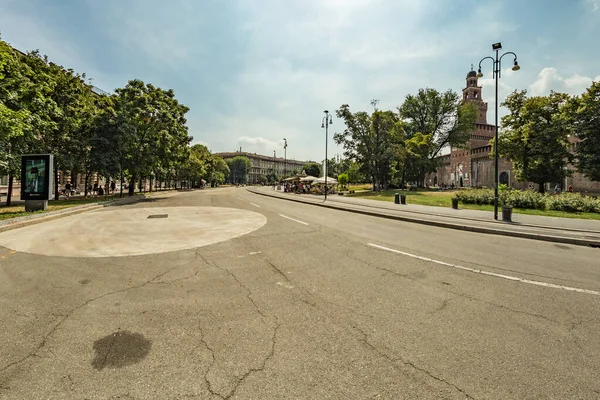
(330, 180)
(308, 179)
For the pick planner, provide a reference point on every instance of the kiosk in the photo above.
(36, 181)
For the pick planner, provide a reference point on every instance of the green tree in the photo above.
(582, 114)
(217, 170)
(239, 167)
(153, 131)
(371, 140)
(25, 108)
(313, 169)
(535, 137)
(343, 179)
(443, 118)
(354, 173)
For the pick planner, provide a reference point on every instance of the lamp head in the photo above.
(322, 125)
(330, 120)
(497, 46)
(479, 74)
(516, 67)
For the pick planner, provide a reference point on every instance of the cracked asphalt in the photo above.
(305, 307)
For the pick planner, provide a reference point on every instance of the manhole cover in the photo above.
(158, 216)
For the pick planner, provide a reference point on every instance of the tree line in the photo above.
(139, 133)
(545, 137)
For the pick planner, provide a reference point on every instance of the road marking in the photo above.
(255, 205)
(255, 252)
(292, 219)
(285, 285)
(479, 271)
(10, 253)
(239, 198)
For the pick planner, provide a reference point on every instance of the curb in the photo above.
(476, 229)
(19, 222)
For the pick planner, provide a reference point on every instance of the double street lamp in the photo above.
(497, 73)
(327, 120)
(284, 157)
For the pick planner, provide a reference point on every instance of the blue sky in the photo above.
(254, 72)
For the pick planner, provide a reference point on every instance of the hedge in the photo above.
(570, 202)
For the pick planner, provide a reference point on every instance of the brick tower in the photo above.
(472, 93)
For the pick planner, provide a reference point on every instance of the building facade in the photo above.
(266, 165)
(473, 166)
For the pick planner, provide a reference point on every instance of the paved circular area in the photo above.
(132, 231)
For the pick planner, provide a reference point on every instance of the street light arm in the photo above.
(500, 62)
(509, 52)
(479, 74)
(485, 58)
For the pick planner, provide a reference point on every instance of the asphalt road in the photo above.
(313, 304)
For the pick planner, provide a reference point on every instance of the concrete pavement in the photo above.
(317, 303)
(561, 230)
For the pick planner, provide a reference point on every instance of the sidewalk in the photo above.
(562, 230)
(14, 223)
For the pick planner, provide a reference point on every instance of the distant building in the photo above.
(473, 166)
(265, 165)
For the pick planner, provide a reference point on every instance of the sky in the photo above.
(255, 72)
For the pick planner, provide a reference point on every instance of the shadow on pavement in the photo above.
(120, 349)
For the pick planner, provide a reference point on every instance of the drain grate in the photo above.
(158, 216)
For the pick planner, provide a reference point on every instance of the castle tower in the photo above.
(472, 93)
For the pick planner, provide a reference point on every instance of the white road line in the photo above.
(478, 271)
(255, 205)
(292, 219)
(239, 198)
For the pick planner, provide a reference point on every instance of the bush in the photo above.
(523, 199)
(572, 202)
(475, 196)
(569, 202)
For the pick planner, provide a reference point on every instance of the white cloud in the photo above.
(549, 79)
(594, 4)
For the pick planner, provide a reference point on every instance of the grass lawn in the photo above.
(443, 199)
(360, 186)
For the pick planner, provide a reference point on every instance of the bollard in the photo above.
(507, 213)
(397, 198)
(402, 199)
(455, 203)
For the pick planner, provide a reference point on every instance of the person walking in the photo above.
(67, 190)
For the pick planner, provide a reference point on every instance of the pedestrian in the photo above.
(570, 189)
(89, 189)
(113, 186)
(67, 190)
(100, 191)
(556, 189)
(95, 190)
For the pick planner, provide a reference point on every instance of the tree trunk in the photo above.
(10, 189)
(542, 188)
(132, 186)
(87, 182)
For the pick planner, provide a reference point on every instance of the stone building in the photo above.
(473, 166)
(265, 165)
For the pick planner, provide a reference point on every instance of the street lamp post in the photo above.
(284, 157)
(497, 73)
(327, 120)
